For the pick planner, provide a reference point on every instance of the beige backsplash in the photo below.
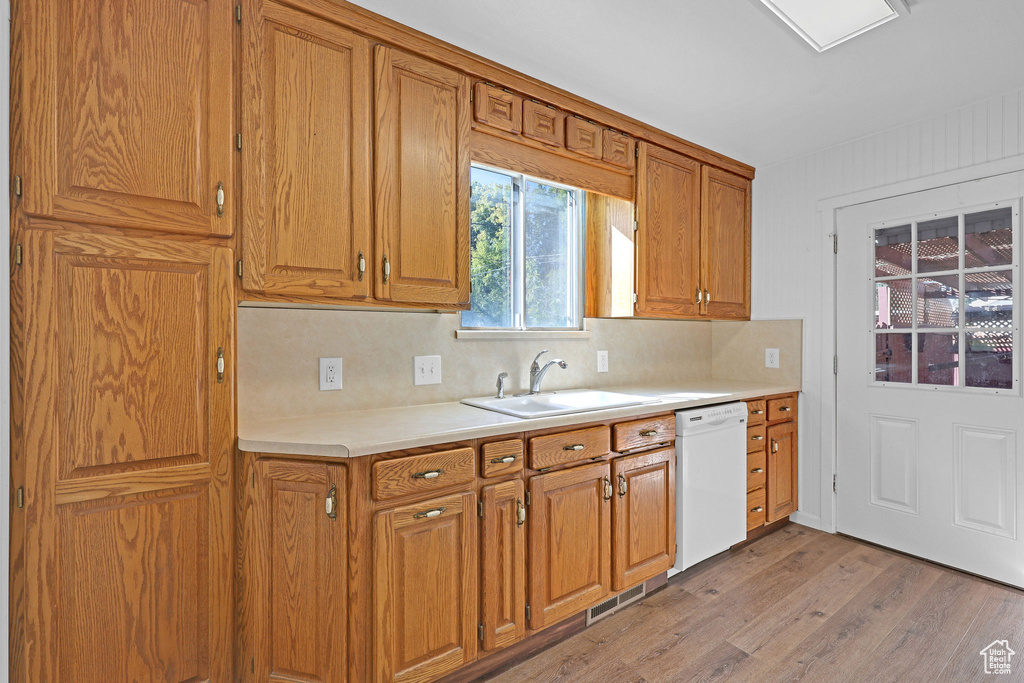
(278, 350)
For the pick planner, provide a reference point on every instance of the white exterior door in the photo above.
(930, 414)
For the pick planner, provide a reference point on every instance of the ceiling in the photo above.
(729, 74)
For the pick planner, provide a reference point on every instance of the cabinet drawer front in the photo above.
(782, 409)
(755, 438)
(756, 464)
(501, 457)
(543, 123)
(755, 509)
(618, 149)
(566, 447)
(498, 108)
(419, 473)
(627, 436)
(756, 412)
(583, 137)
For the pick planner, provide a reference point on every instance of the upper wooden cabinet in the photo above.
(725, 244)
(125, 389)
(422, 180)
(307, 175)
(125, 113)
(668, 234)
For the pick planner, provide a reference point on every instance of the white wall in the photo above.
(789, 241)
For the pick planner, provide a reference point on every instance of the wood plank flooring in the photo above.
(797, 605)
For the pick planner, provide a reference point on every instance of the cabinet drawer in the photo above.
(566, 447)
(755, 509)
(627, 436)
(420, 473)
(756, 470)
(755, 438)
(498, 108)
(583, 137)
(501, 457)
(543, 123)
(782, 409)
(756, 412)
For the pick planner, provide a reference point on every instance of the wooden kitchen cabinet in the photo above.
(422, 180)
(725, 244)
(569, 519)
(296, 559)
(123, 452)
(425, 588)
(125, 113)
(782, 471)
(668, 234)
(306, 157)
(503, 564)
(643, 517)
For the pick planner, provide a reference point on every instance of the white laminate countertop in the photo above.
(365, 432)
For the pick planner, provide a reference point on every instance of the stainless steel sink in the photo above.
(558, 402)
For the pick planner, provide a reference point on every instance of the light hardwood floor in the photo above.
(797, 605)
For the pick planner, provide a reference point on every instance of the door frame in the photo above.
(828, 215)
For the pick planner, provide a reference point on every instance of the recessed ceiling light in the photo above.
(826, 24)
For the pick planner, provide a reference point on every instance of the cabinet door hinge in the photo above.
(479, 631)
(528, 616)
(480, 508)
(636, 151)
(252, 475)
(238, 142)
(835, 243)
(252, 664)
(238, 14)
(835, 365)
(636, 225)
(17, 186)
(17, 254)
(19, 497)
(528, 498)
(833, 483)
(238, 267)
(635, 297)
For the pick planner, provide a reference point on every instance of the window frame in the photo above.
(962, 329)
(576, 248)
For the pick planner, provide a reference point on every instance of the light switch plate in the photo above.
(602, 361)
(330, 374)
(426, 370)
(771, 358)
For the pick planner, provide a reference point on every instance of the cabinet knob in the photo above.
(757, 412)
(757, 437)
(785, 409)
(573, 447)
(757, 470)
(649, 432)
(506, 460)
(757, 509)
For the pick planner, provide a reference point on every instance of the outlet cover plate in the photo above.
(771, 358)
(602, 361)
(426, 370)
(330, 374)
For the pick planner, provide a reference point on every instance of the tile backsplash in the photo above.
(279, 348)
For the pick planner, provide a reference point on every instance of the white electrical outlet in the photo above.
(771, 358)
(602, 361)
(426, 370)
(330, 374)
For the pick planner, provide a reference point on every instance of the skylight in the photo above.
(826, 24)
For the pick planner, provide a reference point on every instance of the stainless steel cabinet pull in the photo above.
(362, 266)
(332, 502)
(220, 364)
(431, 474)
(220, 199)
(775, 446)
(757, 509)
(520, 512)
(387, 269)
(649, 432)
(573, 447)
(607, 489)
(507, 459)
(436, 512)
(756, 470)
(785, 409)
(757, 437)
(699, 297)
(622, 486)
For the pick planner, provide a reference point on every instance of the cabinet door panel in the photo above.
(782, 471)
(422, 180)
(570, 542)
(306, 157)
(725, 241)
(643, 517)
(128, 507)
(127, 112)
(425, 597)
(503, 565)
(668, 236)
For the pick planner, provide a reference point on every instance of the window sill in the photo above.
(521, 335)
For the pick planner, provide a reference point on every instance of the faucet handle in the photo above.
(501, 385)
(537, 357)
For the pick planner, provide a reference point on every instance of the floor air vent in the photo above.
(614, 604)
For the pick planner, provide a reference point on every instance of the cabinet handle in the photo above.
(506, 460)
(220, 199)
(607, 489)
(785, 409)
(756, 470)
(387, 270)
(775, 446)
(362, 266)
(757, 509)
(757, 437)
(431, 474)
(331, 503)
(220, 364)
(436, 512)
(622, 486)
(757, 412)
(573, 447)
(649, 432)
(699, 297)
(520, 512)
(707, 298)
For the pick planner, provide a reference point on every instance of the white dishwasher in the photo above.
(711, 489)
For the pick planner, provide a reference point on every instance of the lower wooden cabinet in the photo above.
(782, 471)
(502, 564)
(569, 542)
(296, 555)
(771, 459)
(425, 588)
(643, 517)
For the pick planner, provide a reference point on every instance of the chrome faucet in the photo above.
(501, 385)
(537, 372)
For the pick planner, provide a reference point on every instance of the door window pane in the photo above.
(548, 221)
(938, 359)
(938, 301)
(988, 238)
(894, 305)
(893, 251)
(989, 299)
(894, 355)
(989, 359)
(491, 250)
(938, 245)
